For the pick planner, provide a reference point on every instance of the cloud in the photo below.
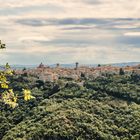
(126, 26)
(84, 23)
(68, 42)
(65, 21)
(79, 27)
(88, 31)
(132, 34)
(130, 40)
(72, 8)
(34, 38)
(91, 1)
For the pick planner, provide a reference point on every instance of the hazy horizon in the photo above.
(73, 64)
(86, 31)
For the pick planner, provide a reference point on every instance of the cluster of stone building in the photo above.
(46, 73)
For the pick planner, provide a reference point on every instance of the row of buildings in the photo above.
(46, 73)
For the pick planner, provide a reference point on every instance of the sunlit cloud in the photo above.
(132, 34)
(33, 38)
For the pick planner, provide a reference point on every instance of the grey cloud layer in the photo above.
(117, 27)
(104, 23)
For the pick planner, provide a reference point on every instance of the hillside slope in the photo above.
(102, 109)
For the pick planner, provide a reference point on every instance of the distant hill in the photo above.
(126, 64)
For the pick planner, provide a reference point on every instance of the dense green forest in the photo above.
(104, 108)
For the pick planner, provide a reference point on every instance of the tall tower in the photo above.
(77, 64)
(57, 65)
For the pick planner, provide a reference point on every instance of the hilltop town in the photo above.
(46, 73)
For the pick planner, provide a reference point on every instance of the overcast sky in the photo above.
(66, 31)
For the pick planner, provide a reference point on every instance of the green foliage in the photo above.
(106, 108)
